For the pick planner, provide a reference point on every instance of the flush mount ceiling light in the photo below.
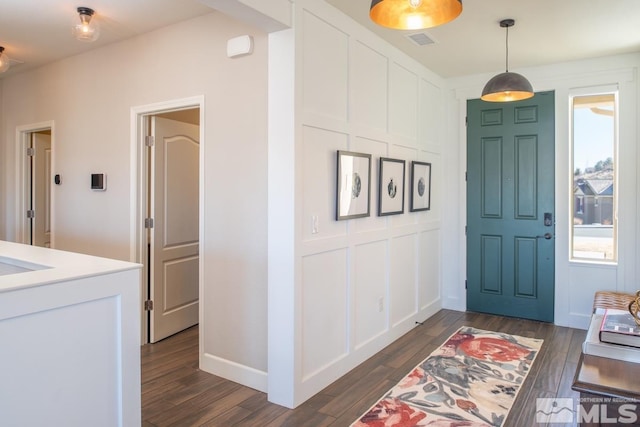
(5, 62)
(87, 30)
(507, 86)
(414, 14)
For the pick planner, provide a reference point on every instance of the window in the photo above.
(594, 143)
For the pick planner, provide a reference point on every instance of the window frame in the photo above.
(580, 93)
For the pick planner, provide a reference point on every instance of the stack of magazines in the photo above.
(613, 334)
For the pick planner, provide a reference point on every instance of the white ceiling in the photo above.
(546, 31)
(39, 31)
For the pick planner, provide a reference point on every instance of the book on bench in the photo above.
(619, 327)
(593, 346)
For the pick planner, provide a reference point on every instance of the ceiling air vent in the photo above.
(421, 39)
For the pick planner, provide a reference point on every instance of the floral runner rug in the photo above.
(471, 380)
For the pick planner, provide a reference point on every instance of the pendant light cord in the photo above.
(507, 49)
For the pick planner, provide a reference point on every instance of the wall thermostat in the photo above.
(98, 181)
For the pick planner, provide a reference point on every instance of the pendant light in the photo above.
(5, 62)
(414, 14)
(507, 86)
(87, 30)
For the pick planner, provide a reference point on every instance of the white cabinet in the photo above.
(69, 339)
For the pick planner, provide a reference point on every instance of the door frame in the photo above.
(137, 249)
(23, 179)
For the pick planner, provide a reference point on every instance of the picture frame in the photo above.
(391, 186)
(420, 199)
(353, 185)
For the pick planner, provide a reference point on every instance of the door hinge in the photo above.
(465, 230)
(466, 121)
(31, 213)
(148, 223)
(31, 152)
(465, 176)
(149, 140)
(465, 283)
(148, 305)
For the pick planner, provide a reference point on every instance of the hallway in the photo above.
(176, 393)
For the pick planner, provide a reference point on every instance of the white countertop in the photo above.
(44, 266)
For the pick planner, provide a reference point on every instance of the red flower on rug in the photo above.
(466, 405)
(499, 350)
(391, 412)
(413, 378)
(456, 339)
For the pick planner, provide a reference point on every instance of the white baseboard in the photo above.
(233, 371)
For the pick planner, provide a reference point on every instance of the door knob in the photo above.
(546, 236)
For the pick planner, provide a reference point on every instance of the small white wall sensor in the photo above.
(239, 46)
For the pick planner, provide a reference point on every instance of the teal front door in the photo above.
(510, 207)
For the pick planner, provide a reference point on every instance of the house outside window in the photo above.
(594, 147)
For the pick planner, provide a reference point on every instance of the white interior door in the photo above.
(175, 233)
(41, 190)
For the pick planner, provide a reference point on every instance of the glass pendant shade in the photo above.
(414, 14)
(507, 86)
(4, 61)
(87, 30)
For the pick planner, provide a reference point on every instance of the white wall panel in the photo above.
(369, 80)
(320, 153)
(370, 305)
(403, 102)
(353, 92)
(324, 308)
(431, 113)
(283, 296)
(588, 279)
(325, 68)
(429, 268)
(402, 278)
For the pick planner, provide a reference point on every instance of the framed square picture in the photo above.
(391, 187)
(420, 187)
(353, 186)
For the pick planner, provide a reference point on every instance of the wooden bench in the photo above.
(611, 299)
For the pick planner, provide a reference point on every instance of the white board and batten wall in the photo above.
(356, 285)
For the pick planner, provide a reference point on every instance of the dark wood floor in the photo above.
(176, 393)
